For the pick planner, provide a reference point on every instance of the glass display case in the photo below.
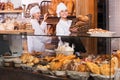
(59, 60)
(61, 65)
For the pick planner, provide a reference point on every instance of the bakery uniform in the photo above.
(62, 29)
(37, 43)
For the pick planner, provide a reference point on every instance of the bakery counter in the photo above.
(17, 31)
(18, 74)
(7, 73)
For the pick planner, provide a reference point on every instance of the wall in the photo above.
(114, 14)
(114, 24)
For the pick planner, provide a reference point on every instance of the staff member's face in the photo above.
(64, 13)
(37, 15)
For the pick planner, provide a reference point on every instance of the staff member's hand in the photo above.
(73, 29)
(45, 16)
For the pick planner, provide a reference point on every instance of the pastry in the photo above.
(56, 65)
(118, 57)
(114, 62)
(9, 6)
(83, 18)
(82, 68)
(36, 60)
(94, 68)
(106, 70)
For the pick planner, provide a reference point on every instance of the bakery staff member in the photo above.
(62, 29)
(37, 43)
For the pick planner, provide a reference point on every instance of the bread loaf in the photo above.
(70, 6)
(53, 6)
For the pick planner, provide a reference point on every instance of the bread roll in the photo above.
(53, 6)
(107, 70)
(94, 68)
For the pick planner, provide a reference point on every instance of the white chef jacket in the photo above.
(62, 28)
(37, 43)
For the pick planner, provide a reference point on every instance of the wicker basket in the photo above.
(82, 27)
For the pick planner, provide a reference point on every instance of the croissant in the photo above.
(94, 68)
(106, 69)
(82, 68)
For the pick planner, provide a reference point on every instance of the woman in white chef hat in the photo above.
(63, 26)
(37, 43)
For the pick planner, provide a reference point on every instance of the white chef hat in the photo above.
(34, 10)
(60, 7)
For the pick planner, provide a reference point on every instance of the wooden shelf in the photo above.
(11, 11)
(16, 31)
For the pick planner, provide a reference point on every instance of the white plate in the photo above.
(64, 52)
(102, 77)
(78, 75)
(60, 73)
(100, 34)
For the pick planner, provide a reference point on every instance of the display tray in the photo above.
(16, 31)
(99, 34)
(102, 77)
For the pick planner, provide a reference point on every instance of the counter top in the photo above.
(19, 74)
(17, 31)
(7, 73)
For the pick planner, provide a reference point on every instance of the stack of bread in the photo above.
(6, 6)
(80, 24)
(14, 24)
(8, 24)
(105, 65)
(100, 32)
(69, 3)
(28, 59)
(9, 6)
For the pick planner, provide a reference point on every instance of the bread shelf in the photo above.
(11, 11)
(16, 31)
